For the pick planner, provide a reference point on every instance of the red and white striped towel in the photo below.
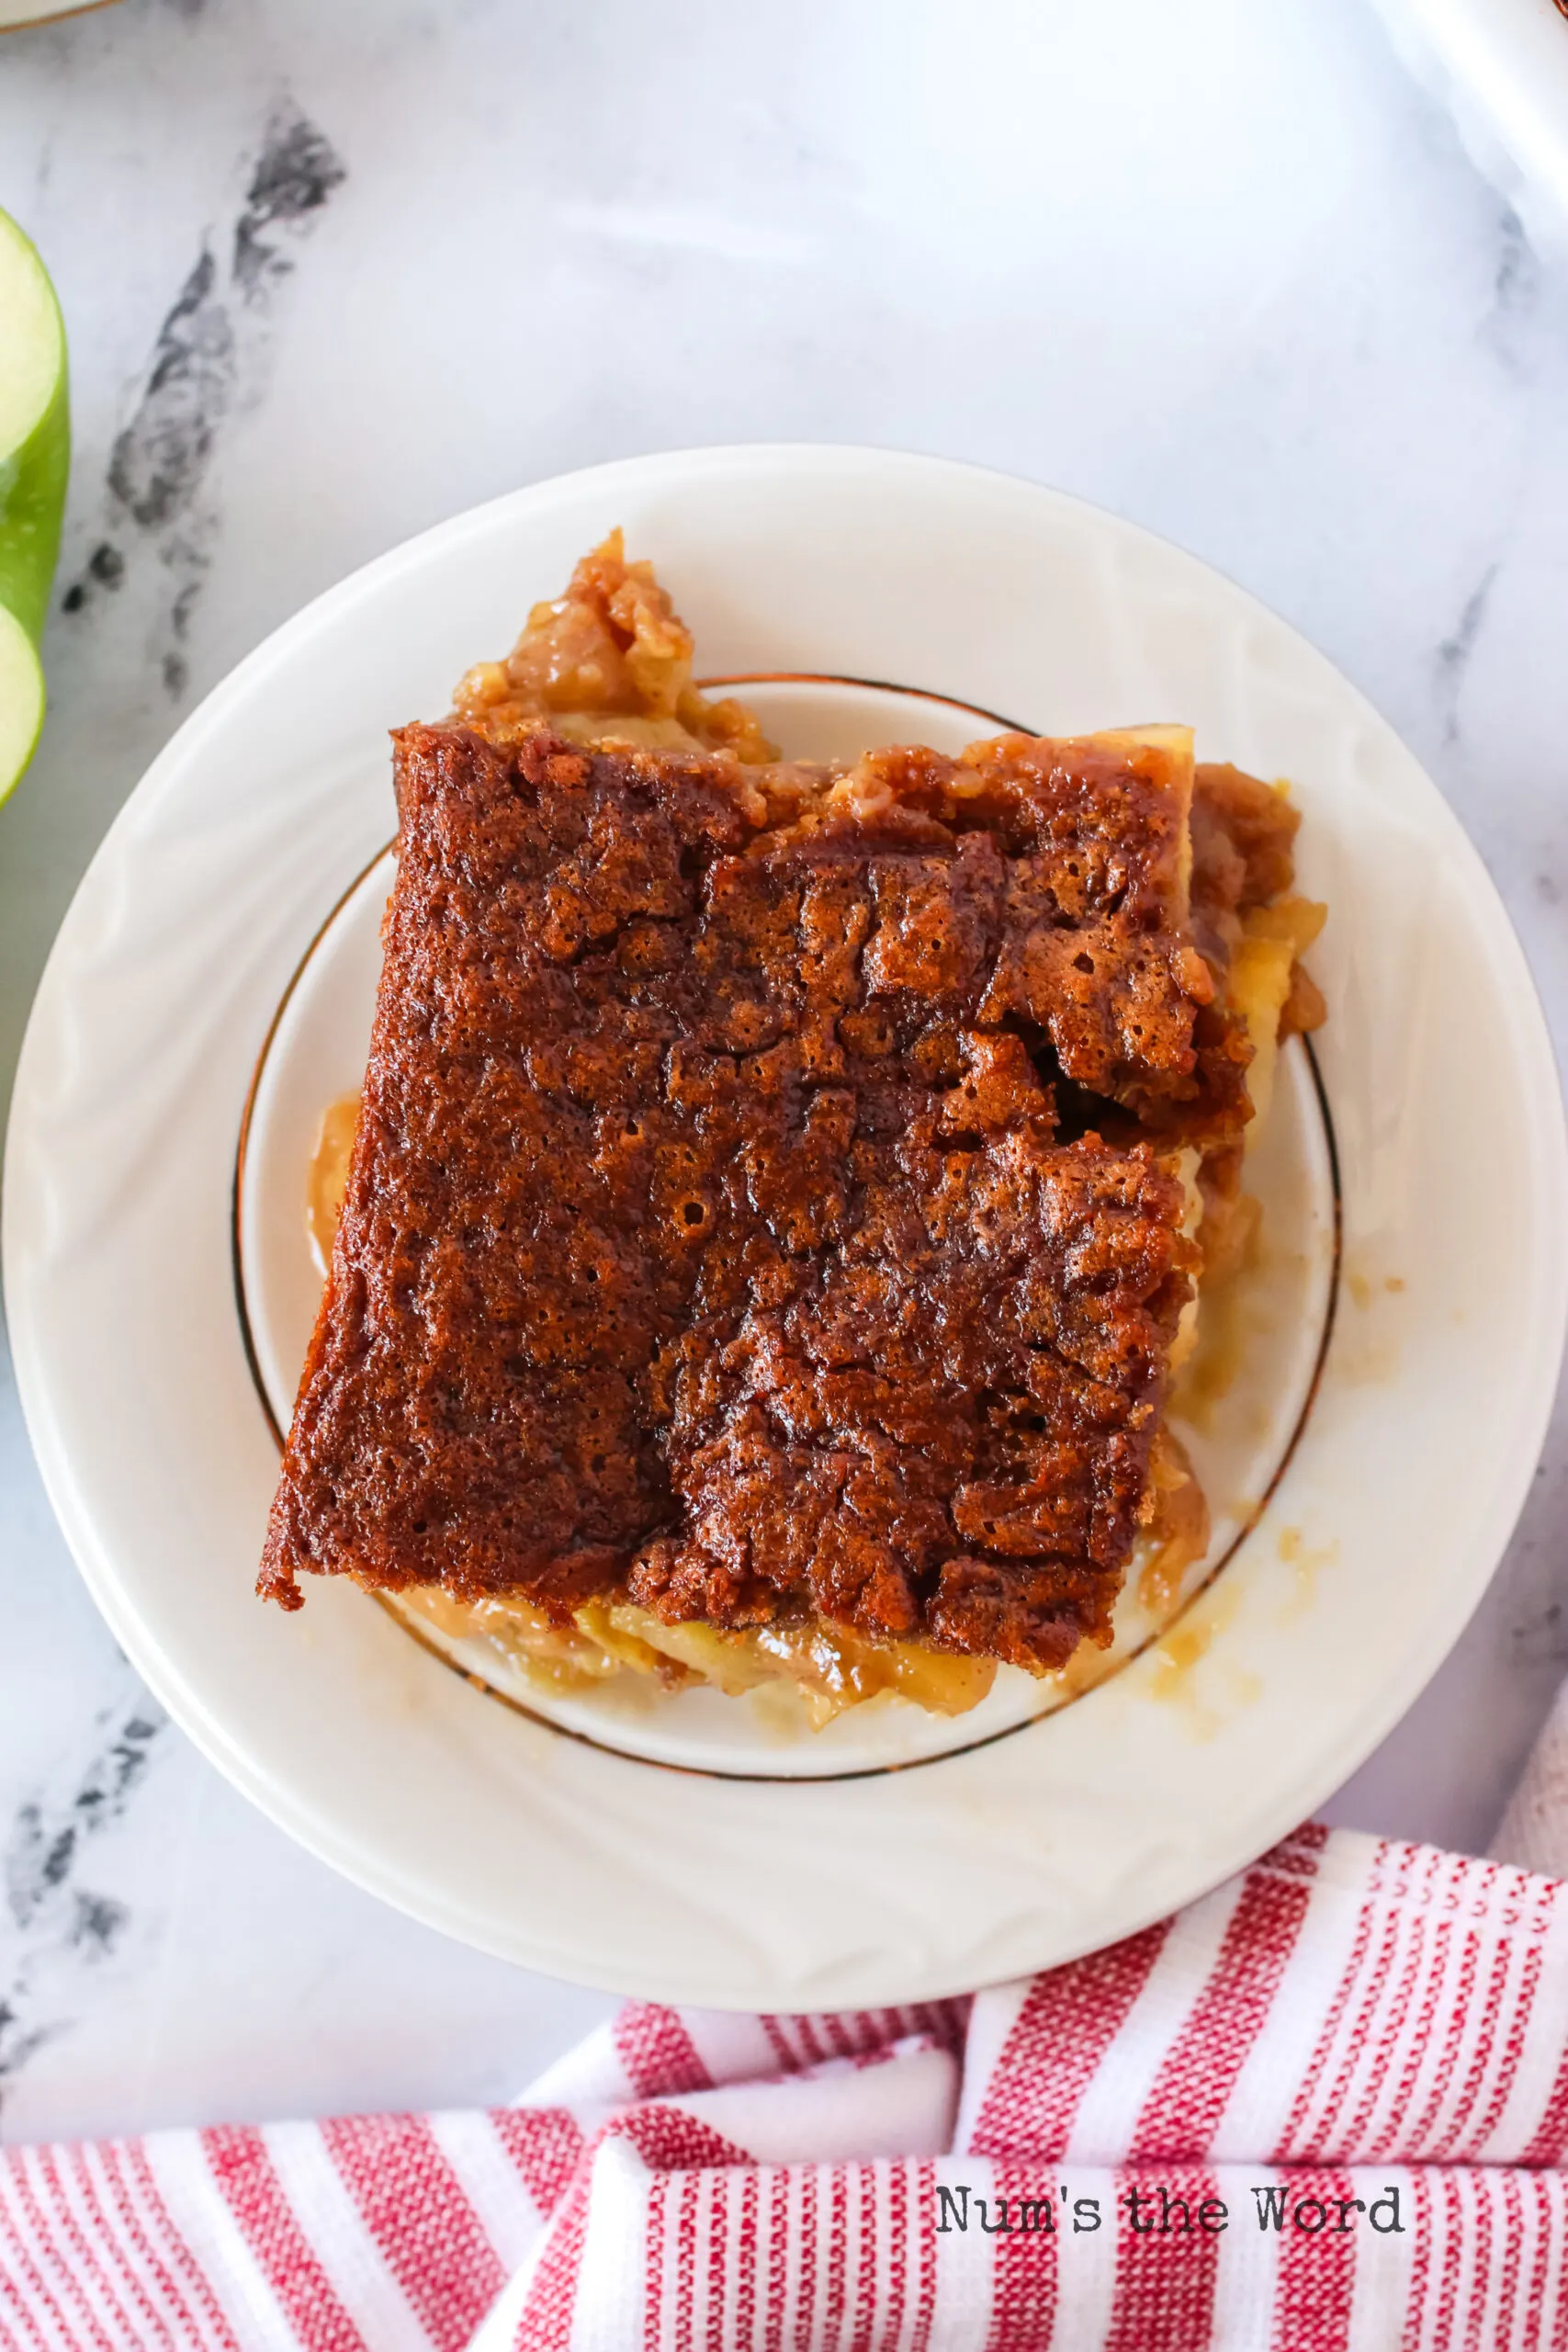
(1325, 2107)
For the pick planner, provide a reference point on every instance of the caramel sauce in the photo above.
(1304, 1560)
(1177, 1656)
(1179, 1523)
(556, 1658)
(327, 1177)
(1364, 1287)
(832, 1666)
(827, 1668)
(1369, 1349)
(1212, 1368)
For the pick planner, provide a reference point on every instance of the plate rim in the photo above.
(607, 1746)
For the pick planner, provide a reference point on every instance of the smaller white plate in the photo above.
(1271, 1326)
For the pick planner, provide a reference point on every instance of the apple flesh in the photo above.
(35, 455)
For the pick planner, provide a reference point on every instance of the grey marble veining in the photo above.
(332, 274)
(157, 509)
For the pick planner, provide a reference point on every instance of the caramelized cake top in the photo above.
(764, 1200)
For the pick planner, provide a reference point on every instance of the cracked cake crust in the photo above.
(764, 1198)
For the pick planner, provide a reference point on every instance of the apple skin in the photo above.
(32, 506)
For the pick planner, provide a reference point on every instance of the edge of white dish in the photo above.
(1054, 1856)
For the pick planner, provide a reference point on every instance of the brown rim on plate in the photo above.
(610, 1747)
(52, 15)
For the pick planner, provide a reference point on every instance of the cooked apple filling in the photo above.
(783, 1190)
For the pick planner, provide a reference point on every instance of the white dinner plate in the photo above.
(202, 973)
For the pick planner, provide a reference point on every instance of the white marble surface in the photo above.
(1220, 268)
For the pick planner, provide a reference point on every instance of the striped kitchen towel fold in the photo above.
(1325, 2107)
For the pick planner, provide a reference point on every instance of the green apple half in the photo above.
(35, 452)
